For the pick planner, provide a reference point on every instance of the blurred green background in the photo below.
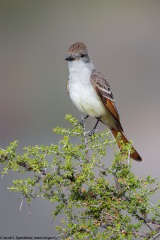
(123, 39)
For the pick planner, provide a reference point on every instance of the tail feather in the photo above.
(135, 155)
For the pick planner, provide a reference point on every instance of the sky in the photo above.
(123, 39)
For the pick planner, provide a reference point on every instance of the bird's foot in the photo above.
(91, 133)
(82, 121)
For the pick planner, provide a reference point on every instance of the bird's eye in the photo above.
(82, 55)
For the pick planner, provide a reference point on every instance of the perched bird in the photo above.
(91, 93)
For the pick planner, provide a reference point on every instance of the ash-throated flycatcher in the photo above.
(91, 93)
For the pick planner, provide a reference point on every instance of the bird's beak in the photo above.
(70, 58)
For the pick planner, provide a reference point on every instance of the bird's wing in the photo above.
(103, 90)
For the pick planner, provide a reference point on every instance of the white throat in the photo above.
(80, 70)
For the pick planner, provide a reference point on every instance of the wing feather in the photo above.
(103, 89)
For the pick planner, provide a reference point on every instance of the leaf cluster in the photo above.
(95, 201)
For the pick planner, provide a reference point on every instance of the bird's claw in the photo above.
(91, 133)
(81, 123)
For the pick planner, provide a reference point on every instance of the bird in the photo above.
(90, 92)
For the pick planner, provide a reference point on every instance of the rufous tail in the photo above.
(135, 155)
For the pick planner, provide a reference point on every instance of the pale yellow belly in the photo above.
(86, 100)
